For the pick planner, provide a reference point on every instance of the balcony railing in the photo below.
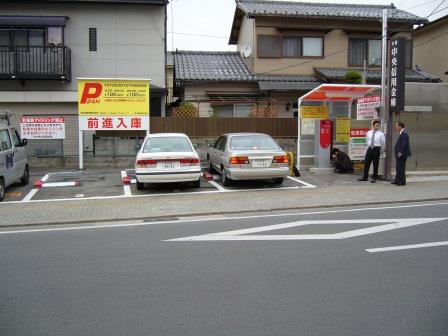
(35, 62)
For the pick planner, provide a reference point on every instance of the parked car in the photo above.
(165, 158)
(248, 156)
(13, 159)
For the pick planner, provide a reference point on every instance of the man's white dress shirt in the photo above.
(379, 141)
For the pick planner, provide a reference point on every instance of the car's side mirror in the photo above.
(195, 146)
(24, 142)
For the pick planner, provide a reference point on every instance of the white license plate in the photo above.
(168, 165)
(261, 163)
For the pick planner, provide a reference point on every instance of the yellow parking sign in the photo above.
(314, 112)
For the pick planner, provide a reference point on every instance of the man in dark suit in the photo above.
(341, 161)
(402, 152)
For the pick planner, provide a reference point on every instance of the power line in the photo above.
(420, 5)
(199, 35)
(430, 40)
(346, 49)
(440, 4)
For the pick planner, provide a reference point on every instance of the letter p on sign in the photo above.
(91, 91)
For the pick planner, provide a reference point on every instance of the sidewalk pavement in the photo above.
(181, 205)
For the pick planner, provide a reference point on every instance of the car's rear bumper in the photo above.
(167, 177)
(256, 173)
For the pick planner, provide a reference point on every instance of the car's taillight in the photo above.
(146, 163)
(189, 162)
(280, 159)
(239, 160)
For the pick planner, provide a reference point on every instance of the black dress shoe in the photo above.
(393, 182)
(362, 179)
(373, 181)
(400, 184)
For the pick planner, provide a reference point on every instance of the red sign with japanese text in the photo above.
(42, 128)
(358, 132)
(326, 134)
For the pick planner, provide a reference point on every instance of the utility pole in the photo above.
(386, 118)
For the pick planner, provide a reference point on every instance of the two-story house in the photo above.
(430, 47)
(45, 45)
(286, 48)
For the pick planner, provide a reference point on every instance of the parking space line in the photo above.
(34, 191)
(306, 184)
(126, 187)
(59, 184)
(262, 189)
(406, 247)
(30, 195)
(218, 186)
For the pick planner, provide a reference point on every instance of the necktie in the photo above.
(372, 142)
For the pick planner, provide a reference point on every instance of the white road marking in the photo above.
(306, 184)
(218, 186)
(406, 247)
(126, 187)
(30, 195)
(34, 191)
(246, 234)
(59, 184)
(213, 218)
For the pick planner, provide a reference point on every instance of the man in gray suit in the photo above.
(402, 152)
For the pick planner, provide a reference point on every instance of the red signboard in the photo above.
(325, 133)
(358, 132)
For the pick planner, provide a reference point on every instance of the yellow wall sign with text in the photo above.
(314, 112)
(113, 97)
(342, 129)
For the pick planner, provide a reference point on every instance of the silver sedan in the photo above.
(248, 156)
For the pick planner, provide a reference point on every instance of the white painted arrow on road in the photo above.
(248, 234)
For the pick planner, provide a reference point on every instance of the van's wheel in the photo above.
(25, 179)
(197, 184)
(140, 185)
(2, 189)
(278, 180)
(226, 181)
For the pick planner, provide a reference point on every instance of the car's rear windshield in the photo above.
(167, 144)
(253, 142)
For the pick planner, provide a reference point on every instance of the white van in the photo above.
(13, 159)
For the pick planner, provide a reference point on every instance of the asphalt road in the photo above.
(154, 279)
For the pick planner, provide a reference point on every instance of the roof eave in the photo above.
(354, 18)
(235, 30)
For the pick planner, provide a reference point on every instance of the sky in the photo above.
(206, 24)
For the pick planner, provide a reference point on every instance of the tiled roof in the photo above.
(210, 66)
(323, 10)
(276, 78)
(412, 75)
(222, 66)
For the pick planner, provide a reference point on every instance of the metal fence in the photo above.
(35, 62)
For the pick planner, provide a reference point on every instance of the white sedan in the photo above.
(166, 158)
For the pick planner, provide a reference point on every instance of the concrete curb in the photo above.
(175, 217)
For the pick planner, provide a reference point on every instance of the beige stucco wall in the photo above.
(335, 42)
(247, 38)
(431, 49)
